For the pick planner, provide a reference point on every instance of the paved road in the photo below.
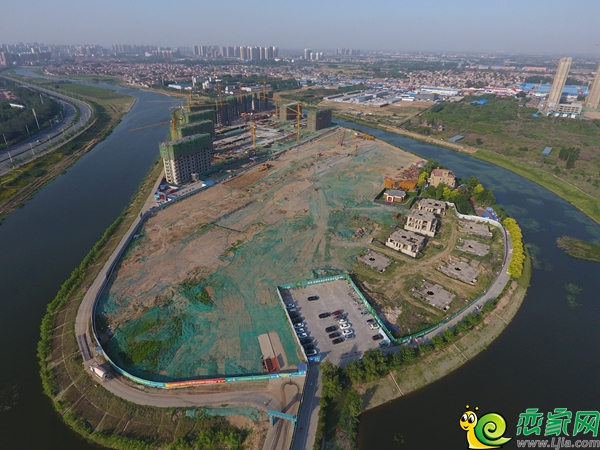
(47, 140)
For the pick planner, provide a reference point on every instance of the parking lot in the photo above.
(333, 296)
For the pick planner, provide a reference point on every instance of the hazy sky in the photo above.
(548, 26)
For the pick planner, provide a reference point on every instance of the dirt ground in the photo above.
(197, 287)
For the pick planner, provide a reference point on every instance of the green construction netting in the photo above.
(180, 337)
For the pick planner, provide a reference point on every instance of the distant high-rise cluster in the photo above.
(126, 49)
(309, 55)
(593, 99)
(347, 51)
(241, 52)
(553, 104)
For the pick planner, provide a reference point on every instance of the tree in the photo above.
(375, 364)
(330, 379)
(355, 372)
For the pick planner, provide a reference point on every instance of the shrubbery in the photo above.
(515, 268)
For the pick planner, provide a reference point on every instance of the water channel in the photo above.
(44, 241)
(545, 358)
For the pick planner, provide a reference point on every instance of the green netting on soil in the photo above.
(180, 337)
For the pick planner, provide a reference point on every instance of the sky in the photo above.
(514, 26)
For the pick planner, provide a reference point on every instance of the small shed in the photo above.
(456, 138)
(393, 195)
(546, 151)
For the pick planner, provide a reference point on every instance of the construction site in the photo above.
(208, 139)
(195, 293)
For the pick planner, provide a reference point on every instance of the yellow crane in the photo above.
(253, 131)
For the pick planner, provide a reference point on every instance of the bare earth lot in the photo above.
(195, 290)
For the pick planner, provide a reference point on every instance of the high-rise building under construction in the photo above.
(189, 147)
(593, 98)
(558, 85)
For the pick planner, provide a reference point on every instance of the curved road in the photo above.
(46, 140)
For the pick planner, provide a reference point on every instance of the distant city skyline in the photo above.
(384, 25)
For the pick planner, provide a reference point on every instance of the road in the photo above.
(46, 141)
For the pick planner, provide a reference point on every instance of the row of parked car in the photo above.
(344, 327)
(301, 331)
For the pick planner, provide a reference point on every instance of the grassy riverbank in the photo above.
(95, 413)
(21, 183)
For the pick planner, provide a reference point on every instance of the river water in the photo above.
(44, 241)
(545, 358)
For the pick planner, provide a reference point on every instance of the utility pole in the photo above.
(27, 130)
(36, 121)
(5, 143)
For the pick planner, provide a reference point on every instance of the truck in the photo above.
(99, 372)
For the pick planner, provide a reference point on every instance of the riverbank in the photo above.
(583, 201)
(22, 183)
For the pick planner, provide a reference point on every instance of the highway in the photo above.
(46, 141)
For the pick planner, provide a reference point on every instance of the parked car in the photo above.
(338, 340)
(299, 325)
(331, 328)
(342, 320)
(313, 297)
(334, 335)
(296, 320)
(293, 313)
(384, 344)
(345, 325)
(312, 352)
(374, 326)
(371, 321)
(302, 335)
(350, 336)
(364, 313)
(307, 340)
(300, 331)
(349, 331)
(336, 313)
(324, 315)
(290, 306)
(377, 337)
(308, 346)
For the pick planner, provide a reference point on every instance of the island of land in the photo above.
(195, 291)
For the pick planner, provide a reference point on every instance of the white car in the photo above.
(374, 326)
(302, 335)
(348, 331)
(342, 320)
(299, 330)
(345, 325)
(299, 325)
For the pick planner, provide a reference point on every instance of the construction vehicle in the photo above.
(264, 167)
(99, 372)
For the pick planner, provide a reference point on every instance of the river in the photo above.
(44, 241)
(544, 359)
(546, 356)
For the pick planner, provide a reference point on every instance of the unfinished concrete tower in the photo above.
(562, 72)
(317, 119)
(593, 99)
